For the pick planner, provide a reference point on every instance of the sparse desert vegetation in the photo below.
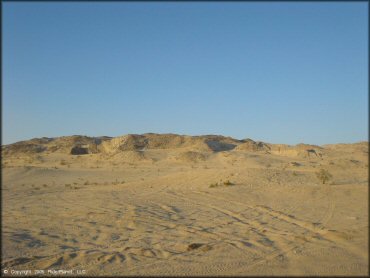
(221, 183)
(324, 175)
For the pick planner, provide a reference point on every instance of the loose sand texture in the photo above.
(165, 204)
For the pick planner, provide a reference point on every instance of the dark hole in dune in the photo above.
(79, 151)
(73, 255)
(219, 146)
(194, 246)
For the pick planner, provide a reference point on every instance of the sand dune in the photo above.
(167, 204)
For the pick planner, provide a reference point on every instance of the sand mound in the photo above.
(77, 145)
(173, 141)
(125, 143)
(21, 148)
(253, 146)
(133, 156)
(300, 150)
(169, 141)
(149, 141)
(66, 144)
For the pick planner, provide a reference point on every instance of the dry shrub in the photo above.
(323, 175)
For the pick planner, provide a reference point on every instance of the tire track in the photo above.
(256, 227)
(316, 231)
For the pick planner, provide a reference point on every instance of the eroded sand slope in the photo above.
(144, 204)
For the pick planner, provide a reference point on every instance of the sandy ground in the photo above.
(156, 213)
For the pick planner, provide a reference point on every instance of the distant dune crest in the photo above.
(80, 145)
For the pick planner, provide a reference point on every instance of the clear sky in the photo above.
(276, 72)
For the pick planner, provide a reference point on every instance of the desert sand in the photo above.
(166, 204)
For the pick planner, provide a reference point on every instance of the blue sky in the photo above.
(276, 72)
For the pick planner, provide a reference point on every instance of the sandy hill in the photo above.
(65, 144)
(131, 142)
(78, 145)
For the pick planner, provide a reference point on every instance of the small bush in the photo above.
(323, 175)
(228, 183)
(212, 185)
(225, 183)
(45, 185)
